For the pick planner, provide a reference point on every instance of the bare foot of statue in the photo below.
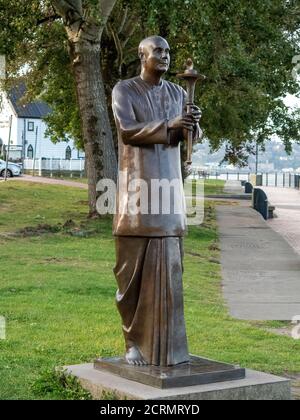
(134, 357)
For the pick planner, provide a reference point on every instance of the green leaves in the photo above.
(244, 48)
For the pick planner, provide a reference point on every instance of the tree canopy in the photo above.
(245, 48)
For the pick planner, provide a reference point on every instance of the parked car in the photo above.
(13, 169)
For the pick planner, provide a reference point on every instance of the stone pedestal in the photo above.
(255, 386)
(198, 371)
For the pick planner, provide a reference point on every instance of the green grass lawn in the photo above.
(214, 186)
(211, 186)
(57, 293)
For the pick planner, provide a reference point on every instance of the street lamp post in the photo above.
(8, 148)
(256, 159)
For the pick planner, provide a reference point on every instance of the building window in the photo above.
(30, 152)
(80, 154)
(68, 153)
(30, 126)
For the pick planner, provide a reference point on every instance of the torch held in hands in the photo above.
(191, 77)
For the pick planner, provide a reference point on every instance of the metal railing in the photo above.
(274, 179)
(225, 176)
(54, 167)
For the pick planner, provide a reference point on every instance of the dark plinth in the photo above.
(198, 371)
(260, 202)
(248, 188)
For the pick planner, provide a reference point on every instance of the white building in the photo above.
(28, 139)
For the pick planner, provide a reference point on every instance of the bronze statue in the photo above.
(151, 120)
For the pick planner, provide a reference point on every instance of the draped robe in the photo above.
(149, 243)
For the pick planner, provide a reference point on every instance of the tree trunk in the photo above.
(84, 36)
(96, 130)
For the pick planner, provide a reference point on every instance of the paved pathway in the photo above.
(261, 271)
(287, 220)
(51, 181)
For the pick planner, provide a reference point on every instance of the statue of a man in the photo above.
(151, 122)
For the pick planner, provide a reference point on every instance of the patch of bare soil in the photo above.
(40, 229)
(285, 331)
(68, 228)
(4, 207)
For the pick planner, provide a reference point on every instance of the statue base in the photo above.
(104, 385)
(197, 371)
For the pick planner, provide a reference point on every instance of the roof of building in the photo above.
(36, 109)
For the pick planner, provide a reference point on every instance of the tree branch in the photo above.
(118, 46)
(106, 7)
(130, 33)
(48, 19)
(70, 10)
(123, 20)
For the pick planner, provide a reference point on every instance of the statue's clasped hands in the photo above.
(187, 121)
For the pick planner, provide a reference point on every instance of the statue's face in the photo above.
(156, 56)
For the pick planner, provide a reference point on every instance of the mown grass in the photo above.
(214, 186)
(57, 295)
(211, 186)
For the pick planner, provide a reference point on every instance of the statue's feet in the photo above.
(134, 357)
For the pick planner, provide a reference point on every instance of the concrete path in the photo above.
(51, 181)
(261, 271)
(287, 220)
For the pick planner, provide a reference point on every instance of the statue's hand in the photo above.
(196, 114)
(182, 122)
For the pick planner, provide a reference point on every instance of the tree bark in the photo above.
(84, 38)
(96, 129)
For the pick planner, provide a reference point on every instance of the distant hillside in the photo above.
(273, 159)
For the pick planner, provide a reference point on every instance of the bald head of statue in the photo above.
(154, 53)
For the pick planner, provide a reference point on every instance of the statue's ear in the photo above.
(142, 56)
